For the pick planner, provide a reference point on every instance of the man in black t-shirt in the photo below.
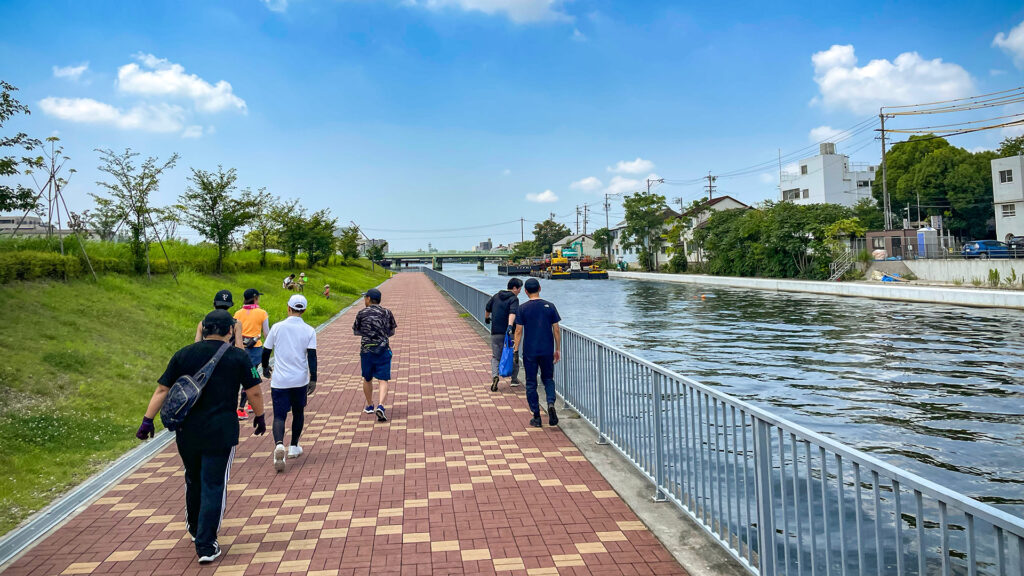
(500, 312)
(209, 433)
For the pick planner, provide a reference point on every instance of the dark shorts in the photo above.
(255, 355)
(376, 365)
(286, 398)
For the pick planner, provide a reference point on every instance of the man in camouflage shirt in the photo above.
(375, 325)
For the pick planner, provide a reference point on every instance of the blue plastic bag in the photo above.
(507, 358)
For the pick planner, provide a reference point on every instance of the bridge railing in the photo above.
(782, 499)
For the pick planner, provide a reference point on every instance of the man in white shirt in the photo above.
(293, 344)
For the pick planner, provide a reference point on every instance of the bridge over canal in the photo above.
(436, 258)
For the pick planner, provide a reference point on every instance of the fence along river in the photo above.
(935, 390)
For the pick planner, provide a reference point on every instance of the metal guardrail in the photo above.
(780, 498)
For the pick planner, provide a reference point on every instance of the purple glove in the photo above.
(146, 429)
(260, 425)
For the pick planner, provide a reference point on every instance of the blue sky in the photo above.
(434, 116)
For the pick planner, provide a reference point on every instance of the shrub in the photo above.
(677, 263)
(993, 277)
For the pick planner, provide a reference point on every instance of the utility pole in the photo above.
(780, 174)
(586, 211)
(885, 183)
(711, 185)
(577, 219)
(522, 233)
(650, 182)
(679, 200)
(607, 227)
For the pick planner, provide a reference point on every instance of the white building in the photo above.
(1008, 196)
(700, 215)
(589, 246)
(828, 178)
(622, 254)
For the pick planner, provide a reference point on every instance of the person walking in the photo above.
(208, 435)
(293, 344)
(254, 322)
(223, 301)
(540, 337)
(500, 313)
(375, 325)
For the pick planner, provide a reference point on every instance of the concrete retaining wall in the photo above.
(901, 292)
(964, 270)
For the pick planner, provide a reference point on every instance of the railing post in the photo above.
(659, 440)
(763, 497)
(602, 405)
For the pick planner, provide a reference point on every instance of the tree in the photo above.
(375, 252)
(131, 189)
(264, 227)
(603, 241)
(348, 243)
(1010, 146)
(291, 225)
(546, 233)
(16, 196)
(869, 213)
(645, 216)
(105, 218)
(167, 219)
(526, 249)
(318, 238)
(210, 207)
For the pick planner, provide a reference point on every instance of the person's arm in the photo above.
(392, 324)
(255, 397)
(265, 360)
(518, 337)
(355, 327)
(266, 327)
(487, 310)
(199, 332)
(236, 329)
(311, 360)
(557, 331)
(157, 401)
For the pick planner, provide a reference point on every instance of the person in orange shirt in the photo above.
(255, 323)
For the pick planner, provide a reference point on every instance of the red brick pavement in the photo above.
(455, 483)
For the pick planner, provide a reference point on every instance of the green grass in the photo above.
(80, 360)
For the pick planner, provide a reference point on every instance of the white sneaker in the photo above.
(212, 556)
(294, 451)
(279, 458)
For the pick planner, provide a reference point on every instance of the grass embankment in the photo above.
(80, 360)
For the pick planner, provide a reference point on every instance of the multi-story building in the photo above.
(1008, 196)
(31, 226)
(828, 178)
(699, 216)
(484, 246)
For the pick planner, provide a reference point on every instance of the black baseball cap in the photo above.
(223, 299)
(218, 319)
(372, 294)
(532, 285)
(251, 293)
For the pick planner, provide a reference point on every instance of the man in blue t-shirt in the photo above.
(540, 338)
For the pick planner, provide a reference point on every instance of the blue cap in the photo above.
(372, 294)
(532, 285)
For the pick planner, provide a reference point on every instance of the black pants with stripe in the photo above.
(206, 484)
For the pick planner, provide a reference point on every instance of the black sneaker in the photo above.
(206, 559)
(535, 421)
(381, 415)
(494, 384)
(552, 416)
(514, 383)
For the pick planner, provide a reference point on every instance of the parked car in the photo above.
(1016, 244)
(986, 249)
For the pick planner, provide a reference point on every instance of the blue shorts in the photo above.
(285, 399)
(376, 365)
(255, 355)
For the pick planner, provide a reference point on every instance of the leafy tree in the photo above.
(263, 226)
(869, 213)
(16, 196)
(546, 233)
(167, 219)
(603, 240)
(318, 237)
(348, 243)
(131, 188)
(841, 230)
(105, 218)
(291, 225)
(375, 252)
(645, 216)
(526, 249)
(1010, 146)
(210, 206)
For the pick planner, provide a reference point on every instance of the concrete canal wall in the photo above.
(900, 292)
(965, 270)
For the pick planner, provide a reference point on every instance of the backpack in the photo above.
(186, 390)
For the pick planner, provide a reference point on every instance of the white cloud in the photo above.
(148, 117)
(996, 72)
(768, 178)
(70, 72)
(908, 79)
(506, 172)
(191, 132)
(637, 166)
(520, 11)
(588, 184)
(159, 77)
(823, 134)
(578, 36)
(544, 197)
(1012, 44)
(620, 185)
(276, 5)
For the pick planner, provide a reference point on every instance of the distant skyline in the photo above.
(430, 120)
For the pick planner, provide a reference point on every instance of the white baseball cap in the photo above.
(297, 302)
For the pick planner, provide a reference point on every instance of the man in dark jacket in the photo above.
(500, 313)
(208, 435)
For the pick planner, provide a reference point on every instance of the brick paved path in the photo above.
(455, 483)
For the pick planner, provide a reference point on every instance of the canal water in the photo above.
(938, 390)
